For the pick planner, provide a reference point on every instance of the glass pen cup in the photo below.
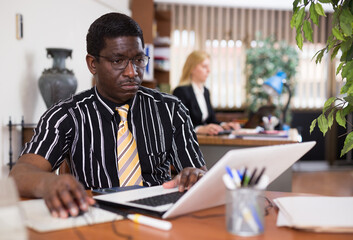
(245, 209)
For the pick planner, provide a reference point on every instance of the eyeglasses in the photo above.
(268, 205)
(120, 63)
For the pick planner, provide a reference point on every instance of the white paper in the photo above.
(316, 213)
(282, 220)
(37, 217)
(11, 224)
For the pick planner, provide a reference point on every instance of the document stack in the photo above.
(316, 213)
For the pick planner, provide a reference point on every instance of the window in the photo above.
(226, 33)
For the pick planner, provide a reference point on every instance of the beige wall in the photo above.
(47, 23)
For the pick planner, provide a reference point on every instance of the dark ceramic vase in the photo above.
(58, 82)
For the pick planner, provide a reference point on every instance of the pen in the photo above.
(228, 181)
(257, 219)
(258, 178)
(229, 171)
(264, 181)
(138, 218)
(252, 177)
(249, 218)
(244, 176)
(246, 180)
(240, 174)
(236, 178)
(152, 222)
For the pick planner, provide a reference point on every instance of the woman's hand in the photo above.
(209, 129)
(230, 125)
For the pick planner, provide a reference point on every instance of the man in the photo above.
(85, 128)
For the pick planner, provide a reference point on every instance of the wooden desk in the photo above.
(214, 147)
(238, 142)
(188, 227)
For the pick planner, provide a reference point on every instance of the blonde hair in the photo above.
(194, 58)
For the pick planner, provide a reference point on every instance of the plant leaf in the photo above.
(325, 1)
(312, 126)
(349, 99)
(340, 119)
(292, 21)
(331, 42)
(349, 54)
(328, 104)
(348, 144)
(344, 72)
(295, 6)
(319, 56)
(347, 72)
(346, 45)
(330, 118)
(346, 87)
(334, 53)
(337, 33)
(308, 31)
(347, 28)
(299, 18)
(350, 89)
(339, 67)
(346, 19)
(319, 9)
(317, 53)
(322, 122)
(347, 110)
(299, 39)
(294, 17)
(313, 14)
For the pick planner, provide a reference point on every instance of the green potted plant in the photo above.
(264, 60)
(341, 39)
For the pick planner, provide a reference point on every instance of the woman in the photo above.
(196, 97)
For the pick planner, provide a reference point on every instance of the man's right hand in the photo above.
(63, 194)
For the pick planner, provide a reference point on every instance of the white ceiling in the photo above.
(263, 4)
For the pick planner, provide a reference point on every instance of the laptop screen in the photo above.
(209, 191)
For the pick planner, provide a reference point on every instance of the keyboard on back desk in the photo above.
(159, 200)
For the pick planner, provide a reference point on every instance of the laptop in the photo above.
(209, 191)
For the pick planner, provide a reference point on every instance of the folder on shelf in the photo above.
(254, 134)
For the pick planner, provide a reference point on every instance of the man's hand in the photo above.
(65, 196)
(186, 178)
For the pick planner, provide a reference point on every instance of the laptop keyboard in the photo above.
(159, 200)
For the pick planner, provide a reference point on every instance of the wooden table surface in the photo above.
(205, 224)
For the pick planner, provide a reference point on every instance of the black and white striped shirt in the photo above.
(84, 128)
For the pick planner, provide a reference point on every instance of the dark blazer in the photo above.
(188, 98)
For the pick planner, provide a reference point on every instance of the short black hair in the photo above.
(111, 25)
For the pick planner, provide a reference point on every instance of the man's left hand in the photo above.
(186, 178)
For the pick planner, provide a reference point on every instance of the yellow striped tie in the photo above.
(128, 160)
